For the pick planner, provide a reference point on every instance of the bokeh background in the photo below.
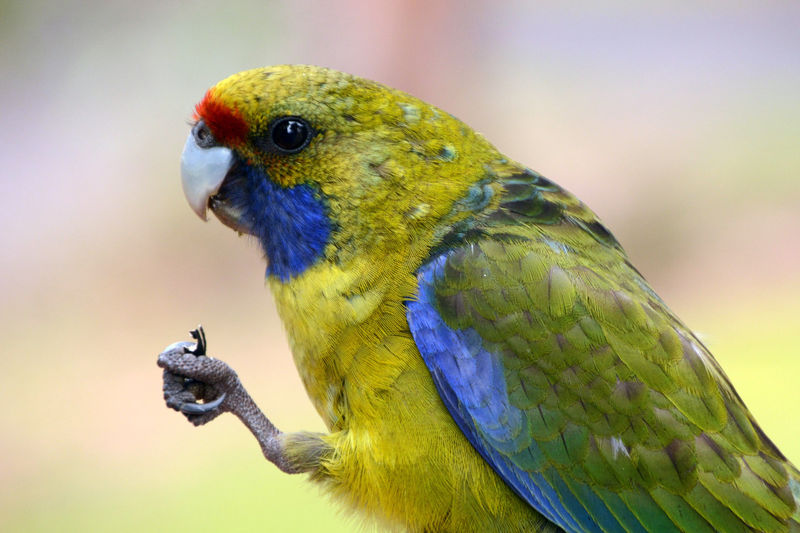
(678, 122)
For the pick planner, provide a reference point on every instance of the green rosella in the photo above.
(482, 351)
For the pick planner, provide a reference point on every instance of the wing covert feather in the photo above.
(581, 388)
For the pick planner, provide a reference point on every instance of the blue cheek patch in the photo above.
(291, 223)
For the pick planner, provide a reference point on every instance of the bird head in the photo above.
(319, 165)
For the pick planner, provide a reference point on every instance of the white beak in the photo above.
(202, 172)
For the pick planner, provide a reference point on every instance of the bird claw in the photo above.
(195, 384)
(202, 408)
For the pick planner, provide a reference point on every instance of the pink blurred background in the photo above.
(679, 124)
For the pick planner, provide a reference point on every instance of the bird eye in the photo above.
(203, 136)
(290, 134)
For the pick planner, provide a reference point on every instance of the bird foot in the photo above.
(202, 388)
(195, 384)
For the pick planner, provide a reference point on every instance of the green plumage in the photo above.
(619, 395)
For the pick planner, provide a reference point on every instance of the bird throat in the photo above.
(291, 223)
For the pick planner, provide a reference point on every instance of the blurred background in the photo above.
(678, 123)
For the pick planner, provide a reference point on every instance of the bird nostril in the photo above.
(203, 136)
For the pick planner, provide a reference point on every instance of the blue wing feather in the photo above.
(471, 383)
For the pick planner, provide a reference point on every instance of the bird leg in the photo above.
(202, 388)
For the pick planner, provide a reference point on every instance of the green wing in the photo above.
(622, 406)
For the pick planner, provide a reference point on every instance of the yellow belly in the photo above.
(399, 456)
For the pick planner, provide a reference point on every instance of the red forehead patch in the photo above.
(225, 123)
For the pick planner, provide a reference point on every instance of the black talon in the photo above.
(202, 408)
(200, 336)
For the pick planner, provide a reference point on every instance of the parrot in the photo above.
(483, 353)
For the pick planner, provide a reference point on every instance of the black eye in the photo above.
(290, 134)
(203, 136)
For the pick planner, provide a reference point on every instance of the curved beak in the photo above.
(202, 172)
